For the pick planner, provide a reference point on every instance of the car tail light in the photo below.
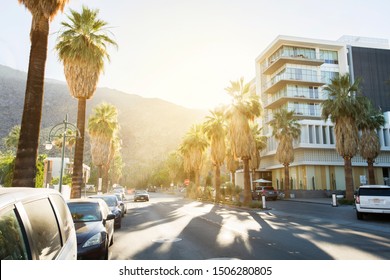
(357, 200)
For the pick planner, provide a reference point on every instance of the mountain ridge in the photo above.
(150, 127)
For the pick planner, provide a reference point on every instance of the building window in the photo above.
(327, 76)
(331, 135)
(329, 56)
(318, 141)
(324, 135)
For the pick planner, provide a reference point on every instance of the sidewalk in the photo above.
(325, 200)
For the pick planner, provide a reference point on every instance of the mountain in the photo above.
(150, 127)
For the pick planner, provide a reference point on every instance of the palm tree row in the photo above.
(228, 133)
(82, 47)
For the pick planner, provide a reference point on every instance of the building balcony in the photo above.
(275, 64)
(281, 81)
(276, 101)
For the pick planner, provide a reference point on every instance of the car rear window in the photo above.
(374, 191)
(45, 231)
(85, 212)
(12, 240)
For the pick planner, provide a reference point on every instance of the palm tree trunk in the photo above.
(26, 156)
(197, 180)
(217, 182)
(105, 178)
(286, 179)
(349, 189)
(77, 178)
(247, 186)
(371, 173)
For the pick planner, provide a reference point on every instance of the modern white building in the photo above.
(291, 73)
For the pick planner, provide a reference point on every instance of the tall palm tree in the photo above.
(102, 128)
(82, 47)
(343, 109)
(369, 146)
(243, 110)
(215, 130)
(285, 129)
(260, 144)
(43, 11)
(232, 163)
(192, 148)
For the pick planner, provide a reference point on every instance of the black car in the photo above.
(114, 205)
(94, 225)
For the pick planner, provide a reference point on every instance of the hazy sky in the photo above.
(188, 51)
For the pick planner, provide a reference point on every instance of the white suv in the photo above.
(35, 224)
(372, 199)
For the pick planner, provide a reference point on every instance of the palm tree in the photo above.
(12, 139)
(285, 129)
(102, 127)
(260, 144)
(215, 130)
(369, 145)
(192, 148)
(43, 11)
(343, 109)
(82, 47)
(244, 108)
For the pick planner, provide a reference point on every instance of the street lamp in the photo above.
(60, 131)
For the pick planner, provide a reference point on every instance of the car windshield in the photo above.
(85, 212)
(110, 200)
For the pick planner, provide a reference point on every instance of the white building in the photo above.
(290, 73)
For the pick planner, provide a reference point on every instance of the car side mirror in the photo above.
(110, 217)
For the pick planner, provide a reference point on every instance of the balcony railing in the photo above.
(277, 62)
(281, 80)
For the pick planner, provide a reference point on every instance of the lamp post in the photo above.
(60, 131)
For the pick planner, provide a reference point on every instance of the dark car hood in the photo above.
(87, 230)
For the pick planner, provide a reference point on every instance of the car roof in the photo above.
(84, 200)
(11, 195)
(374, 186)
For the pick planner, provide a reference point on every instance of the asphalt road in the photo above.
(172, 228)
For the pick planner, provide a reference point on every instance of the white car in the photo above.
(372, 199)
(36, 224)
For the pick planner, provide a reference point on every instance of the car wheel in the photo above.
(359, 215)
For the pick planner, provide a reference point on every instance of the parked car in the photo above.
(372, 199)
(35, 224)
(122, 204)
(121, 191)
(267, 191)
(141, 195)
(94, 224)
(114, 205)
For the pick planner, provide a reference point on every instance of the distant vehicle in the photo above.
(122, 204)
(267, 191)
(94, 227)
(114, 205)
(35, 224)
(141, 195)
(121, 191)
(372, 199)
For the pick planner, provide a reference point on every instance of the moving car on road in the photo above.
(141, 195)
(94, 227)
(372, 199)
